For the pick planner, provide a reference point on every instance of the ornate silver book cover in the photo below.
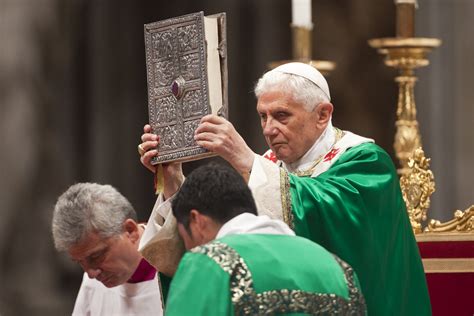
(178, 84)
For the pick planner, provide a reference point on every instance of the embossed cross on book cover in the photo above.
(186, 63)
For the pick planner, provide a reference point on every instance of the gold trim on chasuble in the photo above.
(286, 198)
(247, 302)
(285, 182)
(309, 172)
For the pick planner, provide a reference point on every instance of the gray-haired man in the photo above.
(98, 227)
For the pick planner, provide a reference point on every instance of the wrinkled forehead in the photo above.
(277, 98)
(89, 244)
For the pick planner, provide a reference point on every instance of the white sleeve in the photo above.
(160, 211)
(268, 188)
(160, 243)
(83, 300)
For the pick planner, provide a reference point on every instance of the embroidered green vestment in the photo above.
(355, 210)
(256, 274)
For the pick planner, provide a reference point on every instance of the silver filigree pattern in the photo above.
(192, 105)
(176, 64)
(189, 128)
(247, 302)
(164, 73)
(166, 110)
(162, 44)
(170, 137)
(190, 66)
(188, 38)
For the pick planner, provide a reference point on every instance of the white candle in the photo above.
(414, 2)
(301, 13)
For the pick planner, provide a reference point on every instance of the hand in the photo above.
(149, 144)
(218, 135)
(172, 172)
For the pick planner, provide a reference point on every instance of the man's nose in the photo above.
(93, 272)
(270, 128)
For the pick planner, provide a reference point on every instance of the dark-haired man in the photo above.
(239, 263)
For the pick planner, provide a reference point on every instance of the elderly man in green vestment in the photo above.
(331, 186)
(242, 264)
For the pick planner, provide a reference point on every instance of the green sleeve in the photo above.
(199, 287)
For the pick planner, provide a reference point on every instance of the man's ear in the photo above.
(130, 228)
(324, 112)
(196, 218)
(203, 227)
(197, 225)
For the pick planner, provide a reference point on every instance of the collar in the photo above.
(144, 272)
(320, 147)
(248, 223)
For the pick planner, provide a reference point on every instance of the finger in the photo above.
(216, 144)
(207, 145)
(206, 128)
(149, 137)
(147, 145)
(147, 128)
(211, 128)
(146, 159)
(211, 118)
(207, 136)
(149, 155)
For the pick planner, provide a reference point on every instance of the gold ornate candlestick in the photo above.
(302, 48)
(405, 53)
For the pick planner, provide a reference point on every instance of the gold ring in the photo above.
(141, 151)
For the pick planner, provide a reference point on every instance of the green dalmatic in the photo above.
(260, 274)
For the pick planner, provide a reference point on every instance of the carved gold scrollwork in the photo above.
(417, 186)
(407, 137)
(463, 222)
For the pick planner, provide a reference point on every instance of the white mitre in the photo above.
(305, 71)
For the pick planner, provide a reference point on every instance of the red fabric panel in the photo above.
(144, 272)
(451, 293)
(447, 249)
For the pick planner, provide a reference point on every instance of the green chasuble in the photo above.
(257, 274)
(355, 210)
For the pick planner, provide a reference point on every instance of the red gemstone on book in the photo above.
(175, 88)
